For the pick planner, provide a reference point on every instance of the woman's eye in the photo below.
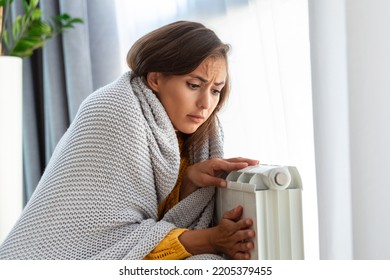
(216, 92)
(193, 86)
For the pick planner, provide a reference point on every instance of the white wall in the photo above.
(350, 43)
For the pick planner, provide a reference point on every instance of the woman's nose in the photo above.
(204, 100)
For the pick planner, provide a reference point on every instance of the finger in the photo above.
(208, 180)
(247, 160)
(244, 246)
(233, 214)
(228, 166)
(246, 235)
(242, 256)
(248, 245)
(244, 223)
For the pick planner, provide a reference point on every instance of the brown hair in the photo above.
(178, 49)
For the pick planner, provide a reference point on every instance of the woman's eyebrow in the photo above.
(206, 81)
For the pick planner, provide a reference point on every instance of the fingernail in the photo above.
(223, 184)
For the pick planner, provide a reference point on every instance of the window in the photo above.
(269, 113)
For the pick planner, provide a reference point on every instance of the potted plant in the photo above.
(29, 31)
(18, 39)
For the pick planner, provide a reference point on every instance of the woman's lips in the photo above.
(196, 118)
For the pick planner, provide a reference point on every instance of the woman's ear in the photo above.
(152, 80)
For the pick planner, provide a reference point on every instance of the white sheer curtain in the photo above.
(269, 113)
(350, 70)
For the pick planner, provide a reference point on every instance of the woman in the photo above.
(133, 176)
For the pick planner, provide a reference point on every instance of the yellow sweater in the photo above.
(170, 247)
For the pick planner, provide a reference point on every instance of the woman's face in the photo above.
(190, 99)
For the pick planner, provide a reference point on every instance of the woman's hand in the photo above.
(206, 173)
(230, 237)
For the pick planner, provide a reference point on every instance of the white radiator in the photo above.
(271, 197)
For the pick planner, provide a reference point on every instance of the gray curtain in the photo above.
(59, 77)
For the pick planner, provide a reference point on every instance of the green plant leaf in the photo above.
(16, 27)
(22, 54)
(29, 31)
(76, 20)
(36, 14)
(39, 28)
(64, 16)
(6, 39)
(25, 5)
(27, 43)
(5, 2)
(25, 20)
(63, 22)
(33, 4)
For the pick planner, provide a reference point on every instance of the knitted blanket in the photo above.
(98, 196)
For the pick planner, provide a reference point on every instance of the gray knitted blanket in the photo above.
(98, 196)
